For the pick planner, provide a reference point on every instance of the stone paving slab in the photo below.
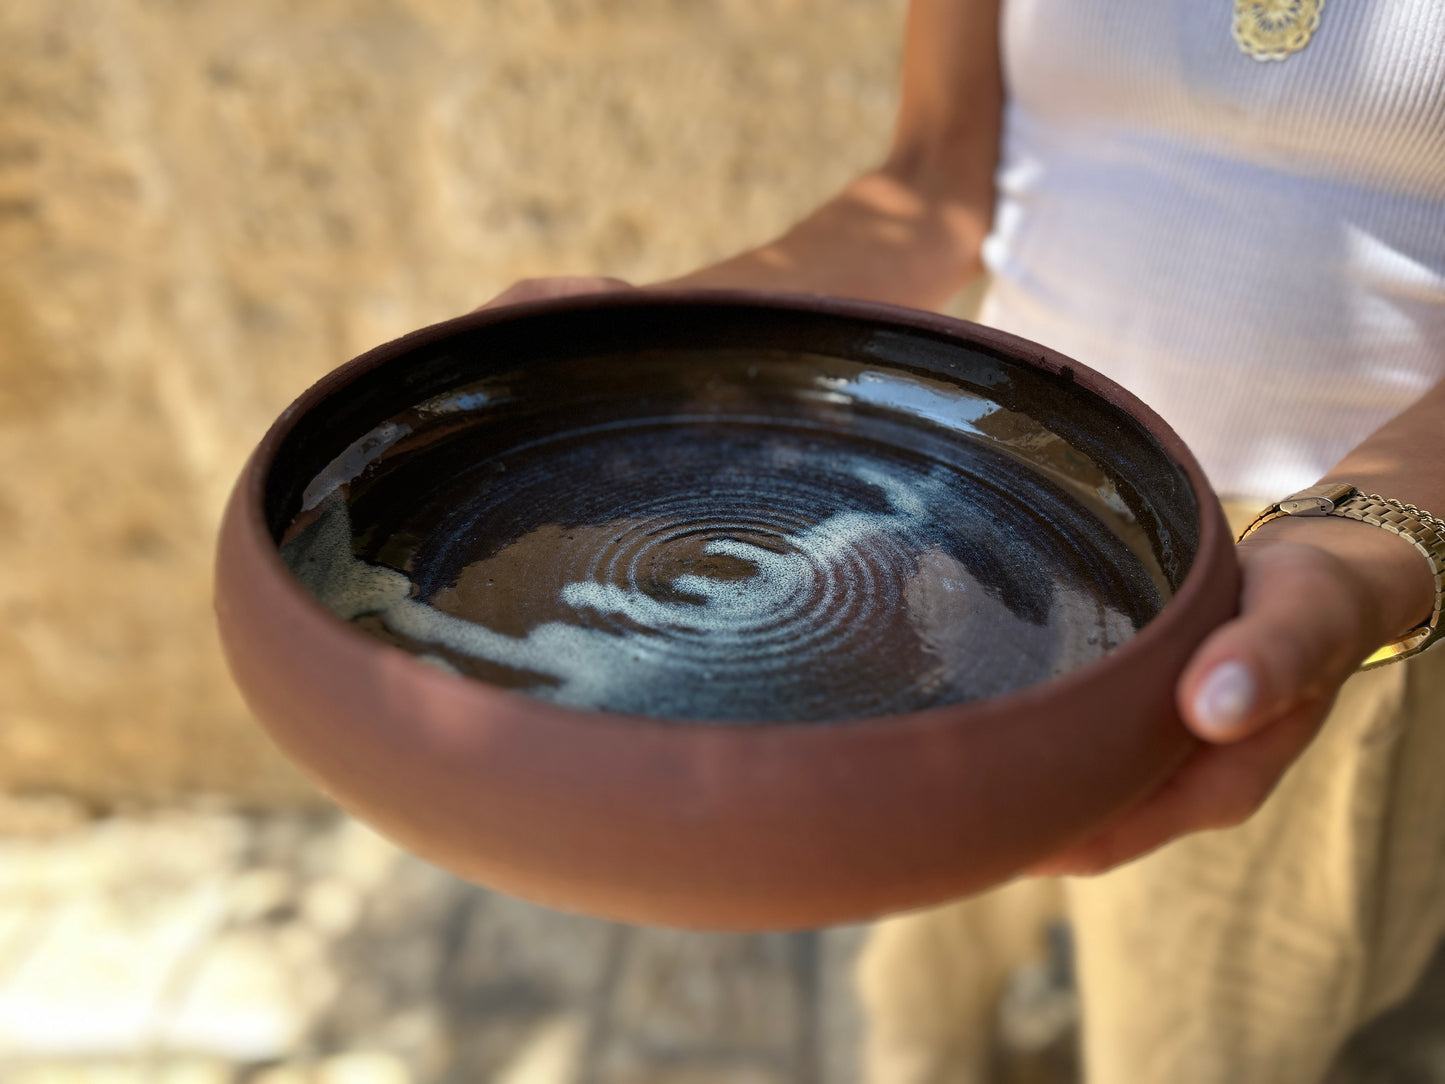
(208, 945)
(203, 946)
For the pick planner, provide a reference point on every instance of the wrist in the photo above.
(1394, 581)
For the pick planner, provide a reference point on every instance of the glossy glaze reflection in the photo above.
(730, 536)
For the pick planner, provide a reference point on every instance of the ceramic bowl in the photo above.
(722, 610)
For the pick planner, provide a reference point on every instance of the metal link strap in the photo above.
(1418, 527)
(1427, 534)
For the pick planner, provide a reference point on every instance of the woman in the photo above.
(1236, 209)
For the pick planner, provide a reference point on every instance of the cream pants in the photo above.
(1244, 956)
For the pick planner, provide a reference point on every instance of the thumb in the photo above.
(1299, 635)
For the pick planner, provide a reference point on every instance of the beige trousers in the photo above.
(1244, 956)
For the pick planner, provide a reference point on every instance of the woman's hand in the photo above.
(1319, 595)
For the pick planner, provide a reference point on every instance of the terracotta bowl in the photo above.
(722, 610)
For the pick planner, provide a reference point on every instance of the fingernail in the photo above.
(1224, 699)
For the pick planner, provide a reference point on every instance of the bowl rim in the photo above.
(1176, 613)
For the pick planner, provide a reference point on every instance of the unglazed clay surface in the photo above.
(727, 536)
(759, 531)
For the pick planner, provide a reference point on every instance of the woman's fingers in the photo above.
(1301, 632)
(1220, 786)
(1256, 690)
(542, 289)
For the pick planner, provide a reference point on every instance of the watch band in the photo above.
(1419, 528)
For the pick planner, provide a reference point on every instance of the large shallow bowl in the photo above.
(751, 819)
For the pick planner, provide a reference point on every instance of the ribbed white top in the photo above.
(1256, 249)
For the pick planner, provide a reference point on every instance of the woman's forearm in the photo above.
(880, 239)
(1403, 460)
(909, 232)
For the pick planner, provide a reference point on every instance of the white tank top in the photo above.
(1256, 249)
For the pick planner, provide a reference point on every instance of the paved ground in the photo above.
(211, 947)
(214, 948)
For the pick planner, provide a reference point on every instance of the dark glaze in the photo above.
(740, 534)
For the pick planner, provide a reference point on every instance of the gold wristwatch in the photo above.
(1419, 528)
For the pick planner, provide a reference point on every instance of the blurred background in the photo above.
(204, 206)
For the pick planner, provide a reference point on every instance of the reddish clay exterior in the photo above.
(724, 827)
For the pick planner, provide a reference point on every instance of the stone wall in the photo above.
(206, 204)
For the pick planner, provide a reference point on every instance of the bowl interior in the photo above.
(730, 512)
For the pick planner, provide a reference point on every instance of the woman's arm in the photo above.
(1402, 460)
(910, 231)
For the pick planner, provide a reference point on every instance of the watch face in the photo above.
(1318, 500)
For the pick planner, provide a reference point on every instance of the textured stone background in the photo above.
(206, 205)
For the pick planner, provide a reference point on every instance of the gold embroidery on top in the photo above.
(1275, 29)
